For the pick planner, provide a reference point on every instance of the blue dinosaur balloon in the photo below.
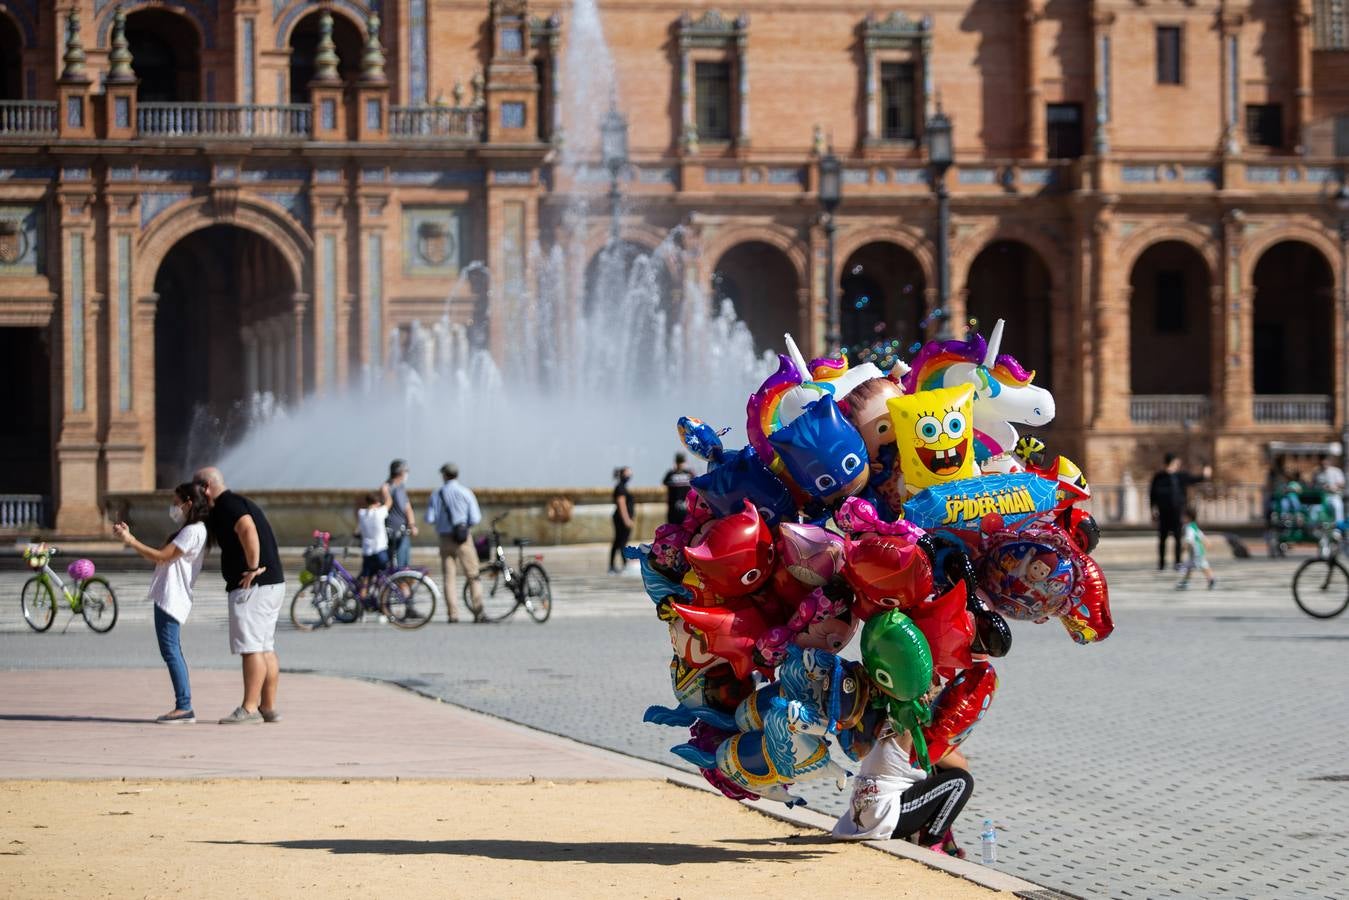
(824, 454)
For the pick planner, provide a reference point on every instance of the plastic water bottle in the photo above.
(988, 842)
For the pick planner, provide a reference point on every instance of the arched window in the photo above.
(165, 55)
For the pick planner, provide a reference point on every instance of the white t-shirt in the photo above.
(171, 586)
(371, 521)
(875, 807)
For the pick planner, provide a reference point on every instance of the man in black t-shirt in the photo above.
(677, 483)
(251, 565)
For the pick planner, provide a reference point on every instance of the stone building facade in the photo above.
(200, 199)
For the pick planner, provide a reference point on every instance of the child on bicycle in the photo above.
(1196, 551)
(370, 522)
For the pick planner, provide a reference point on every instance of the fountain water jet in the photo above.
(582, 383)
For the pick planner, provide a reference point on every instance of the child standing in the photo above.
(1196, 551)
(177, 565)
(370, 522)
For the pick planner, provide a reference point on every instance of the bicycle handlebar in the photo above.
(499, 518)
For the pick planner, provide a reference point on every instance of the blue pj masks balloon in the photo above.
(743, 476)
(824, 454)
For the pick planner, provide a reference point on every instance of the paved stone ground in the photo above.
(1198, 752)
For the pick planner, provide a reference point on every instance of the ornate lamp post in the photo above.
(614, 151)
(831, 195)
(940, 156)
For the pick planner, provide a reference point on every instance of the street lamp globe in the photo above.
(614, 141)
(831, 182)
(940, 150)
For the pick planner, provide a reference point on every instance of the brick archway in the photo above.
(1306, 232)
(786, 240)
(911, 240)
(259, 216)
(1197, 238)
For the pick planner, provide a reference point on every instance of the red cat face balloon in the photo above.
(734, 555)
(887, 572)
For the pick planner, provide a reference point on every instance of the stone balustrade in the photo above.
(169, 120)
(27, 117)
(436, 122)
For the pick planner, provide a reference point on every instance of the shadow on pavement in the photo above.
(607, 852)
(25, 717)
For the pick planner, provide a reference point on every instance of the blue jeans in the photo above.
(166, 630)
(402, 550)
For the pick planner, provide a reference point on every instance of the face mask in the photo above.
(176, 514)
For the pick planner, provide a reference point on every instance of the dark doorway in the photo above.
(760, 281)
(1294, 322)
(1009, 280)
(1170, 320)
(224, 330)
(165, 55)
(882, 302)
(26, 427)
(304, 41)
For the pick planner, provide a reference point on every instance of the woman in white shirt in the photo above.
(177, 565)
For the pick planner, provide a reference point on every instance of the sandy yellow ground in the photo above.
(376, 839)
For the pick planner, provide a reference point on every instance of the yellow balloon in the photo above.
(935, 433)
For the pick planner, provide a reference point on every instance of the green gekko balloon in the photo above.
(896, 655)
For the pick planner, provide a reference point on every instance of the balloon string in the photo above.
(835, 694)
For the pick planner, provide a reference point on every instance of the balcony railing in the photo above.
(1278, 409)
(22, 511)
(291, 120)
(20, 117)
(1168, 409)
(436, 122)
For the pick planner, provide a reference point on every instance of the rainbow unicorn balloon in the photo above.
(1003, 390)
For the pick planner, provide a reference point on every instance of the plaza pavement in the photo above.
(85, 736)
(1196, 753)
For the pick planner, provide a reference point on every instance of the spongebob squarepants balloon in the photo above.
(936, 442)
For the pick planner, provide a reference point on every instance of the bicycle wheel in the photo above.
(312, 606)
(498, 600)
(39, 604)
(1321, 588)
(408, 599)
(538, 594)
(98, 604)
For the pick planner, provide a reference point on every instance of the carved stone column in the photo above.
(1236, 323)
(1111, 362)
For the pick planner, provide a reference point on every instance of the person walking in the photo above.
(250, 563)
(1196, 552)
(177, 565)
(623, 517)
(402, 523)
(677, 482)
(1168, 496)
(454, 511)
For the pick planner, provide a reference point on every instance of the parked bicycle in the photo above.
(506, 588)
(406, 597)
(91, 597)
(1321, 584)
